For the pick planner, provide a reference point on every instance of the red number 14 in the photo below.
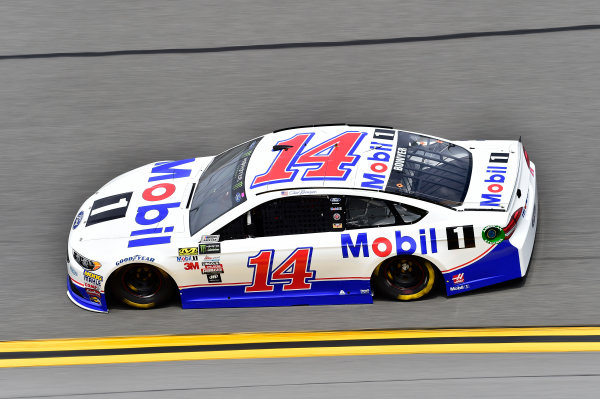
(292, 272)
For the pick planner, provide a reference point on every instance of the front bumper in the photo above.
(88, 299)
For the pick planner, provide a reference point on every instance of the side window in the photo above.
(368, 212)
(234, 230)
(409, 214)
(292, 215)
(364, 212)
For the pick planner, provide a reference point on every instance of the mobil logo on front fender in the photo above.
(157, 201)
(365, 244)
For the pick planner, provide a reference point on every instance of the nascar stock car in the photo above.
(306, 216)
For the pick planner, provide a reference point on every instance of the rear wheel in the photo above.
(142, 286)
(404, 278)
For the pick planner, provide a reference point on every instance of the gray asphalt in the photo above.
(547, 375)
(68, 125)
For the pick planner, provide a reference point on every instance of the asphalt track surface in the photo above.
(71, 123)
(89, 90)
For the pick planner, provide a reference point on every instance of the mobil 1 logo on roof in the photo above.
(379, 159)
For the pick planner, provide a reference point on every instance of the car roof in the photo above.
(338, 156)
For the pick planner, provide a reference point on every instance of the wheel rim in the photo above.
(407, 275)
(141, 281)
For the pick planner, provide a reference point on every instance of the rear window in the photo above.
(430, 169)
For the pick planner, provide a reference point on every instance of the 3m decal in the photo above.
(191, 266)
(158, 210)
(460, 237)
(293, 273)
(383, 247)
(188, 251)
(109, 208)
(209, 248)
(329, 160)
(379, 159)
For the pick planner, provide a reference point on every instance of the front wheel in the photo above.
(142, 286)
(404, 278)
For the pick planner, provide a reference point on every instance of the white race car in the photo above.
(308, 216)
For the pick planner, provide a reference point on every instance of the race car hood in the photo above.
(148, 203)
(494, 174)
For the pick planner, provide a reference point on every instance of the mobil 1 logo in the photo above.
(460, 237)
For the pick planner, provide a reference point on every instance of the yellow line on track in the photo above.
(249, 338)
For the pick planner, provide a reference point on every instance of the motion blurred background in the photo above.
(69, 122)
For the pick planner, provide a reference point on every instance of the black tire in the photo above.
(404, 278)
(142, 286)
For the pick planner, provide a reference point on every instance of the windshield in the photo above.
(430, 169)
(221, 186)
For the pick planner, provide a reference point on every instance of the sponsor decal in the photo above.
(109, 208)
(210, 262)
(492, 234)
(135, 258)
(337, 226)
(214, 278)
(191, 266)
(209, 238)
(73, 271)
(336, 216)
(383, 246)
(458, 278)
(460, 237)
(496, 176)
(94, 294)
(335, 200)
(218, 268)
(209, 248)
(188, 251)
(157, 196)
(90, 277)
(332, 159)
(367, 291)
(336, 208)
(211, 258)
(77, 220)
(187, 258)
(379, 160)
(342, 292)
(460, 287)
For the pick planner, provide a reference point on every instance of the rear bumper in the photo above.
(505, 261)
